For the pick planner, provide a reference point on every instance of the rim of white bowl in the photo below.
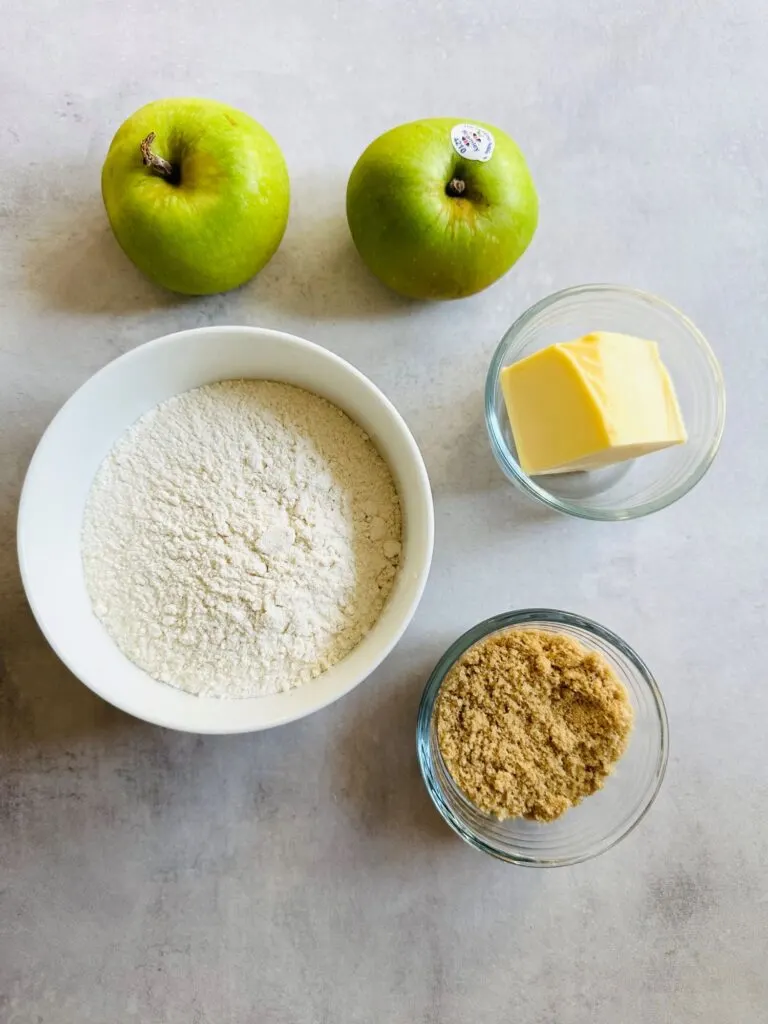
(418, 582)
(510, 465)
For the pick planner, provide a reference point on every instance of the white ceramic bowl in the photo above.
(81, 435)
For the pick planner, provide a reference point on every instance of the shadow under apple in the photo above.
(78, 267)
(317, 273)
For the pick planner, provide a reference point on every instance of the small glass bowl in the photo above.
(633, 488)
(600, 820)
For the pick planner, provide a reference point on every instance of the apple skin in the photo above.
(424, 243)
(224, 218)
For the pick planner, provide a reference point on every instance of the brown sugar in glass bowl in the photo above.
(530, 722)
(601, 738)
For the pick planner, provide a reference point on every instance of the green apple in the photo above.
(441, 208)
(197, 194)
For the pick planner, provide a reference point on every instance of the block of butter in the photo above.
(585, 404)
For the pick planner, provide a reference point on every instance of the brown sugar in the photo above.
(530, 722)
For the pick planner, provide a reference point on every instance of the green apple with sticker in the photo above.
(197, 194)
(441, 208)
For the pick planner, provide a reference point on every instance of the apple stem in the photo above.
(455, 187)
(156, 163)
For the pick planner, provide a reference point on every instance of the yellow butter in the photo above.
(589, 403)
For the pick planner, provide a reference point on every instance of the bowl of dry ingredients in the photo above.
(225, 529)
(542, 738)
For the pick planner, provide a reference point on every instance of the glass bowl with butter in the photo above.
(518, 713)
(604, 402)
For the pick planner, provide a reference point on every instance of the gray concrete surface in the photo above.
(303, 876)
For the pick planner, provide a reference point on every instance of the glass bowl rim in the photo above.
(506, 620)
(510, 465)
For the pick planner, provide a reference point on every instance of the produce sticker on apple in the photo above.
(472, 142)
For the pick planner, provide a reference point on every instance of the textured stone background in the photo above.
(303, 876)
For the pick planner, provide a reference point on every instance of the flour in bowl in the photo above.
(241, 538)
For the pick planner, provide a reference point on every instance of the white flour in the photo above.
(241, 538)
